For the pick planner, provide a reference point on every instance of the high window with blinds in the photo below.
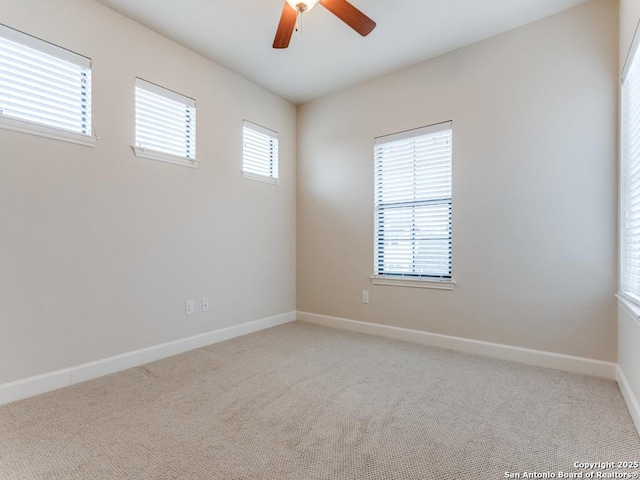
(630, 180)
(165, 124)
(413, 204)
(44, 89)
(259, 153)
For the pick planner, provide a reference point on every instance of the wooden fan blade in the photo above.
(350, 15)
(285, 27)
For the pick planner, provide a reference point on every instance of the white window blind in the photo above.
(413, 203)
(43, 84)
(259, 153)
(630, 181)
(165, 124)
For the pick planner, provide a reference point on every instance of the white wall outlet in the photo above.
(205, 304)
(365, 296)
(189, 307)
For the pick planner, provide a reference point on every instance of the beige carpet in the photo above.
(304, 402)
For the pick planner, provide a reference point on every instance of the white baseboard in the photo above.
(627, 393)
(28, 387)
(538, 358)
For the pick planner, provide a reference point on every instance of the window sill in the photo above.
(32, 128)
(261, 178)
(165, 157)
(413, 282)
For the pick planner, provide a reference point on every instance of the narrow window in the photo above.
(44, 89)
(413, 204)
(630, 180)
(165, 125)
(259, 153)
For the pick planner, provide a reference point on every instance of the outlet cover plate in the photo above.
(189, 307)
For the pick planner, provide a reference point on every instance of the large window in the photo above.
(413, 204)
(630, 180)
(259, 153)
(44, 89)
(165, 125)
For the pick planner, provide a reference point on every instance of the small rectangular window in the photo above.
(44, 89)
(259, 153)
(413, 203)
(630, 180)
(165, 125)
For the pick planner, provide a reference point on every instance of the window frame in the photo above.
(417, 280)
(630, 71)
(157, 154)
(273, 162)
(41, 129)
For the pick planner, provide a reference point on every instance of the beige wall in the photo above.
(99, 249)
(534, 178)
(628, 324)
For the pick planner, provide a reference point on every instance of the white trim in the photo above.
(28, 387)
(32, 386)
(629, 397)
(31, 128)
(165, 157)
(413, 282)
(261, 178)
(538, 358)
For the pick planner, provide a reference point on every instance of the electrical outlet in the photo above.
(189, 307)
(365, 296)
(205, 304)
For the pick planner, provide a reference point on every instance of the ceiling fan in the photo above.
(340, 8)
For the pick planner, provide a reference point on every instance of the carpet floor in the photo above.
(301, 402)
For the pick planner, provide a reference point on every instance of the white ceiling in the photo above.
(327, 55)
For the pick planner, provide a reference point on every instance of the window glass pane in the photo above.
(165, 121)
(413, 203)
(260, 151)
(630, 185)
(43, 83)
